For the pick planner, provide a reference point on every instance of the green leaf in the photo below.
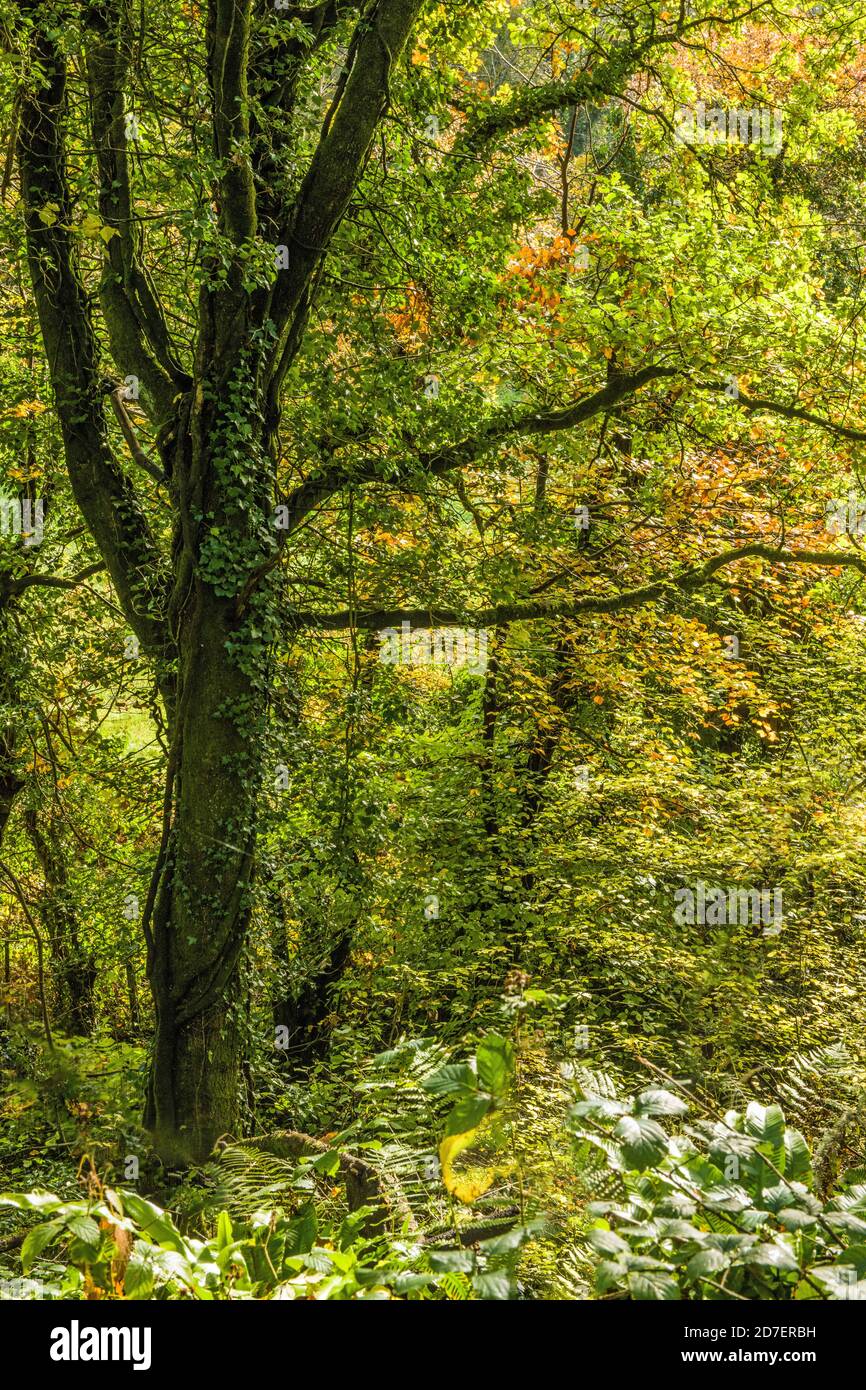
(327, 1163)
(726, 1196)
(513, 1239)
(798, 1162)
(707, 1263)
(36, 1240)
(656, 1102)
(643, 1142)
(840, 1281)
(770, 1255)
(153, 1222)
(456, 1078)
(301, 1232)
(846, 1221)
(794, 1220)
(467, 1114)
(407, 1281)
(679, 1230)
(766, 1123)
(653, 1285)
(493, 1285)
(224, 1231)
(30, 1201)
(495, 1059)
(598, 1107)
(138, 1281)
(452, 1261)
(85, 1229)
(608, 1242)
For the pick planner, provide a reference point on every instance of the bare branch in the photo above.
(129, 434)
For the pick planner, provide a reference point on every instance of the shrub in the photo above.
(718, 1209)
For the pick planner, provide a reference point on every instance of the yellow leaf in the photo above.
(472, 1184)
(90, 225)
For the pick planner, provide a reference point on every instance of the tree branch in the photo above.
(275, 70)
(137, 328)
(529, 104)
(788, 412)
(105, 496)
(228, 61)
(55, 581)
(361, 100)
(504, 425)
(591, 603)
(129, 434)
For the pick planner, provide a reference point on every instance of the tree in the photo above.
(204, 322)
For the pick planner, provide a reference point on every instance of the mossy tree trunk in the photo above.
(202, 612)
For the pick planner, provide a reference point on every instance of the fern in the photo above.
(243, 1180)
(825, 1093)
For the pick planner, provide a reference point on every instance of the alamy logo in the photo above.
(722, 907)
(23, 518)
(846, 516)
(758, 126)
(76, 1343)
(441, 646)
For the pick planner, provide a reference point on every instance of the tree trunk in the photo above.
(202, 902)
(132, 996)
(72, 967)
(201, 894)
